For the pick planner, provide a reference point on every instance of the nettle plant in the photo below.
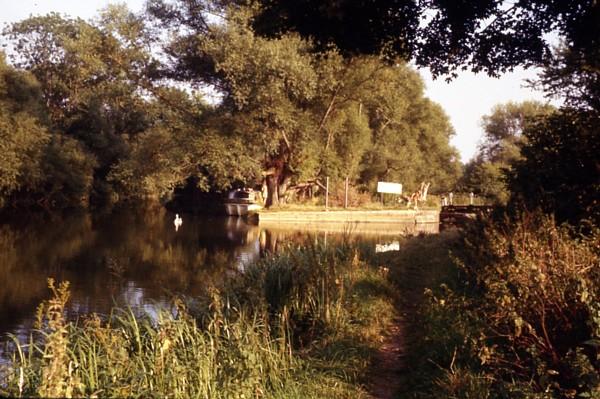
(540, 291)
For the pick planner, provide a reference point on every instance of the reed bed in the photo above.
(304, 323)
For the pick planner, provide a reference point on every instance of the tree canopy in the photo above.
(491, 36)
(121, 114)
(560, 170)
(308, 114)
(23, 133)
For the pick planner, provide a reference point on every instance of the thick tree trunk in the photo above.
(272, 190)
(278, 183)
(277, 176)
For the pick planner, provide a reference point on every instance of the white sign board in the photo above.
(391, 246)
(390, 188)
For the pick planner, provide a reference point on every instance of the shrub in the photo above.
(520, 318)
(535, 287)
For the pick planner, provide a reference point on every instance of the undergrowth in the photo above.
(517, 316)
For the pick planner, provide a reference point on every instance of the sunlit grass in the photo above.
(304, 323)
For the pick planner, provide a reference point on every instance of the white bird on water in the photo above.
(177, 222)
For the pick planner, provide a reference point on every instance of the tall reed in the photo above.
(275, 331)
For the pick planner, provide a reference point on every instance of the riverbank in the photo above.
(344, 321)
(350, 216)
(304, 323)
(512, 311)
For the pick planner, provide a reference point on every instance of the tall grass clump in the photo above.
(523, 320)
(330, 304)
(126, 356)
(299, 324)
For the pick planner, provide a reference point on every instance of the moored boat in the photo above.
(241, 202)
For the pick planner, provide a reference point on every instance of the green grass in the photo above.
(303, 324)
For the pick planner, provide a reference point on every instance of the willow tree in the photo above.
(193, 140)
(92, 77)
(304, 114)
(23, 131)
(311, 115)
(410, 134)
(267, 85)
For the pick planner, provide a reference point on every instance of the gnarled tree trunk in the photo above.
(277, 178)
(272, 181)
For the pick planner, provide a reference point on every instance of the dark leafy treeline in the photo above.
(492, 35)
(113, 109)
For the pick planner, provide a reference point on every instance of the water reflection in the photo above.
(137, 258)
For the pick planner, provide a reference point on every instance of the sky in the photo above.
(466, 99)
(469, 97)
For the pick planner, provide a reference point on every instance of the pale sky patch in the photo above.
(16, 10)
(470, 96)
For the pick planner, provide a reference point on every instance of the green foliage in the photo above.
(487, 179)
(501, 148)
(23, 134)
(503, 129)
(308, 115)
(444, 36)
(559, 172)
(573, 74)
(162, 158)
(77, 62)
(411, 140)
(68, 170)
(90, 76)
(521, 318)
(288, 115)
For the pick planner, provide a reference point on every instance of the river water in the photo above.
(136, 258)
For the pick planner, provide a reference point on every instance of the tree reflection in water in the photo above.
(132, 258)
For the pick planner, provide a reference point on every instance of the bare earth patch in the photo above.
(388, 364)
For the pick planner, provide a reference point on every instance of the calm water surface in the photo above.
(136, 258)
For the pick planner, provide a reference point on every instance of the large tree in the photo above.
(560, 168)
(37, 165)
(305, 113)
(23, 131)
(182, 144)
(93, 80)
(287, 112)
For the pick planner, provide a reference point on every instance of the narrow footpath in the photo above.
(388, 364)
(422, 262)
